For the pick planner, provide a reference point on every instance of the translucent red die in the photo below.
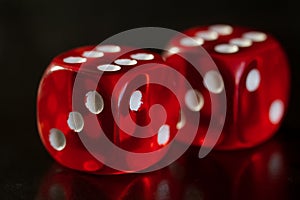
(253, 72)
(74, 101)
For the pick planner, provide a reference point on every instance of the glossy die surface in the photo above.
(64, 124)
(253, 72)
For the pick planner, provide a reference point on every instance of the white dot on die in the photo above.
(241, 42)
(125, 62)
(94, 102)
(191, 42)
(226, 48)
(75, 121)
(213, 82)
(181, 123)
(122, 94)
(253, 80)
(93, 54)
(173, 50)
(135, 101)
(255, 36)
(57, 139)
(194, 100)
(109, 68)
(109, 48)
(208, 35)
(163, 135)
(276, 111)
(142, 56)
(73, 60)
(221, 29)
(56, 68)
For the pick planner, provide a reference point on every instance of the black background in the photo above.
(32, 32)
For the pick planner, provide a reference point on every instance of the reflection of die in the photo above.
(257, 173)
(68, 124)
(62, 183)
(254, 74)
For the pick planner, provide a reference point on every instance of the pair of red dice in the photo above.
(252, 72)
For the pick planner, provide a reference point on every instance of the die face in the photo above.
(250, 64)
(54, 106)
(254, 85)
(264, 86)
(63, 122)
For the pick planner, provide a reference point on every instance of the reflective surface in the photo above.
(259, 173)
(270, 171)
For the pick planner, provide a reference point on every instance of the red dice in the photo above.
(253, 73)
(74, 105)
(111, 109)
